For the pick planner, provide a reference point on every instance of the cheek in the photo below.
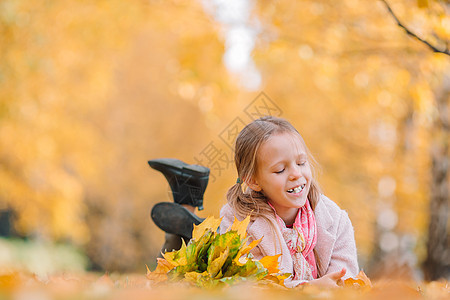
(308, 173)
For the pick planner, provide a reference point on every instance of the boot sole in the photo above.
(174, 218)
(187, 182)
(178, 165)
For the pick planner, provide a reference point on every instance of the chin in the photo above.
(300, 203)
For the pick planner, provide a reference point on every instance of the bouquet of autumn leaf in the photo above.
(211, 259)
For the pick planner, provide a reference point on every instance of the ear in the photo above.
(253, 184)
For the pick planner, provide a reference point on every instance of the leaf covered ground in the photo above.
(21, 285)
(211, 265)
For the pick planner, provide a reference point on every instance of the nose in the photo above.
(295, 172)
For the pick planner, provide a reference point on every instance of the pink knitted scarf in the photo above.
(301, 240)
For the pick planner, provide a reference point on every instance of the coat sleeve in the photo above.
(226, 213)
(344, 250)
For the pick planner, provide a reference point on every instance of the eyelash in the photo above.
(302, 164)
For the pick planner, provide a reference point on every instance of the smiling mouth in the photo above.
(297, 189)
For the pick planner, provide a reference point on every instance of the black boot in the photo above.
(172, 242)
(174, 218)
(187, 182)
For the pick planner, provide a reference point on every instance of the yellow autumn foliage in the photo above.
(89, 91)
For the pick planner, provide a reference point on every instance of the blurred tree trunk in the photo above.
(437, 263)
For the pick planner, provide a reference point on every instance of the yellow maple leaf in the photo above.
(160, 273)
(361, 280)
(240, 226)
(353, 282)
(245, 250)
(215, 266)
(271, 263)
(178, 257)
(209, 223)
(361, 275)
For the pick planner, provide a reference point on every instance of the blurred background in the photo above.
(91, 90)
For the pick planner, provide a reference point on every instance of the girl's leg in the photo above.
(188, 184)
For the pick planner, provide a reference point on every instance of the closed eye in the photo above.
(279, 172)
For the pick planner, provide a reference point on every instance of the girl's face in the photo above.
(283, 174)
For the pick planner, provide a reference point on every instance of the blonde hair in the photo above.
(247, 144)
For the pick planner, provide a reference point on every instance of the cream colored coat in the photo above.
(335, 246)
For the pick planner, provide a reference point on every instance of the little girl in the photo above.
(313, 235)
